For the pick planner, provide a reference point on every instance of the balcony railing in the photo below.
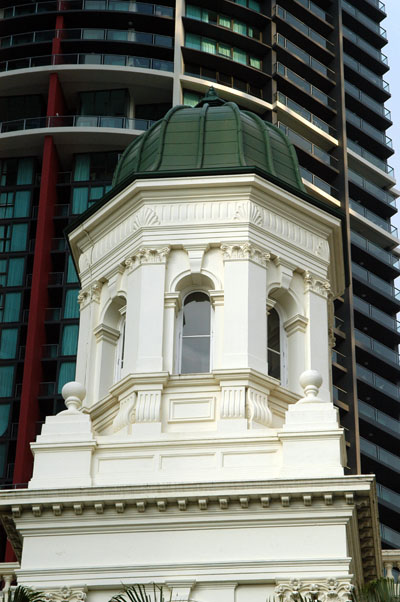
(111, 35)
(308, 146)
(296, 108)
(379, 383)
(377, 347)
(143, 8)
(67, 121)
(376, 106)
(375, 250)
(316, 10)
(116, 60)
(318, 182)
(379, 453)
(376, 219)
(376, 314)
(305, 85)
(304, 56)
(362, 152)
(371, 188)
(375, 282)
(362, 18)
(304, 28)
(361, 43)
(367, 73)
(384, 420)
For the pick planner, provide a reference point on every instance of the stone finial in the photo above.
(310, 381)
(73, 393)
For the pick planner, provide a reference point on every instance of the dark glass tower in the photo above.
(81, 78)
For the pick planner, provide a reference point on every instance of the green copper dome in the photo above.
(212, 137)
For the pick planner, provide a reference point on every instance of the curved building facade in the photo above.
(81, 79)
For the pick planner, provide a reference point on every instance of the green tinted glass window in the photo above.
(66, 374)
(10, 305)
(6, 380)
(69, 341)
(4, 417)
(71, 306)
(8, 343)
(3, 458)
(72, 276)
(19, 237)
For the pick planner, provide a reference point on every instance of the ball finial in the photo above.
(310, 381)
(73, 393)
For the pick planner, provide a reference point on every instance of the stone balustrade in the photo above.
(391, 560)
(7, 577)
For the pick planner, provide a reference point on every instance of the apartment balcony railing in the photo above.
(362, 18)
(316, 10)
(301, 26)
(142, 8)
(373, 345)
(379, 383)
(49, 351)
(362, 43)
(376, 314)
(362, 152)
(113, 35)
(378, 4)
(67, 121)
(371, 188)
(375, 250)
(339, 358)
(304, 56)
(367, 73)
(376, 106)
(391, 537)
(52, 314)
(318, 182)
(388, 495)
(371, 216)
(380, 418)
(117, 60)
(296, 108)
(304, 85)
(375, 282)
(380, 454)
(308, 146)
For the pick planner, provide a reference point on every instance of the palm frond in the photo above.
(26, 594)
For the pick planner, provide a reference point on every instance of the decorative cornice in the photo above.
(317, 285)
(92, 293)
(248, 212)
(328, 590)
(245, 251)
(147, 255)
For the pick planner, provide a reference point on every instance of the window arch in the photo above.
(195, 333)
(274, 344)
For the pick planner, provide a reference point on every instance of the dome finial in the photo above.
(211, 98)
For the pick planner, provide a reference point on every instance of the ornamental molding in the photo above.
(90, 294)
(248, 212)
(147, 255)
(317, 285)
(126, 413)
(145, 217)
(329, 590)
(257, 409)
(206, 213)
(66, 594)
(245, 251)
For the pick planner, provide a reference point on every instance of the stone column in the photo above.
(317, 292)
(172, 306)
(217, 325)
(145, 310)
(89, 301)
(245, 319)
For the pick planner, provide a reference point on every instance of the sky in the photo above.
(392, 50)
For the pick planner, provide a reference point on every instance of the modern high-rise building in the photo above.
(80, 79)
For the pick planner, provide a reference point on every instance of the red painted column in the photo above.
(29, 409)
(56, 45)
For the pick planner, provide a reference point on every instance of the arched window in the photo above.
(274, 344)
(195, 334)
